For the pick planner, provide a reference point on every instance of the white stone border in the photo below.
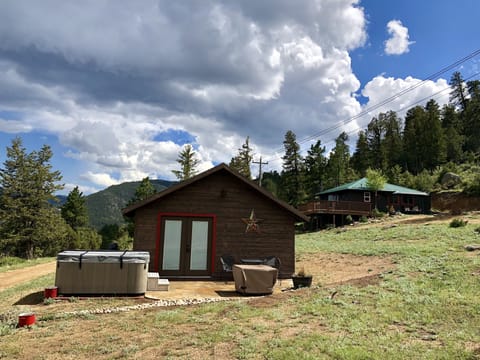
(160, 303)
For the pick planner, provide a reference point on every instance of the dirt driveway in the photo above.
(15, 277)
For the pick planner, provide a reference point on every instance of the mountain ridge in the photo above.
(105, 206)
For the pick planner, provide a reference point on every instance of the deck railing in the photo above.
(336, 207)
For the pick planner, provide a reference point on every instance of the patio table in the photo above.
(252, 261)
(254, 279)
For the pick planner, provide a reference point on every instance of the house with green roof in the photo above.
(358, 199)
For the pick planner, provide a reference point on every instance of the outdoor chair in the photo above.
(272, 261)
(227, 262)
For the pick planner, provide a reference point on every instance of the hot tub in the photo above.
(102, 272)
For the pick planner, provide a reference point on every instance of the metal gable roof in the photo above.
(361, 185)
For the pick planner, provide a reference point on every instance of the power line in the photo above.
(434, 95)
(393, 97)
(387, 100)
(398, 110)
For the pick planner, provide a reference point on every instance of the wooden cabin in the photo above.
(357, 199)
(189, 226)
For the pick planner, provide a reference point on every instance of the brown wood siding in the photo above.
(231, 200)
(337, 207)
(348, 198)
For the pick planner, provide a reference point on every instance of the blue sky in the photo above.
(117, 88)
(442, 31)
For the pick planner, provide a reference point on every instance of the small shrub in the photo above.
(455, 223)
(10, 260)
(301, 272)
(377, 213)
(363, 219)
(48, 301)
(50, 317)
(8, 322)
(6, 329)
(348, 220)
(472, 186)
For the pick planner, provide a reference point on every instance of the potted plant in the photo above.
(301, 279)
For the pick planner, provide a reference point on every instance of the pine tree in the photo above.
(458, 95)
(395, 174)
(414, 120)
(433, 146)
(109, 233)
(292, 174)
(30, 225)
(272, 181)
(392, 142)
(83, 238)
(361, 157)
(188, 163)
(315, 166)
(423, 138)
(143, 191)
(243, 160)
(74, 211)
(452, 134)
(338, 166)
(375, 138)
(471, 118)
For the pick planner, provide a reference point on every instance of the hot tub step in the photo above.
(163, 284)
(154, 283)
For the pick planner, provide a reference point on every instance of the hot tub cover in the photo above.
(97, 256)
(82, 272)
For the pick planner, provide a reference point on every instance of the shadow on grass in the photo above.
(31, 299)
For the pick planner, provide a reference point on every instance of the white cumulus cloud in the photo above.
(399, 42)
(414, 92)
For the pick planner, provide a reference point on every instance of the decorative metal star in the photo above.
(252, 223)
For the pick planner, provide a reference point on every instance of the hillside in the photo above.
(105, 207)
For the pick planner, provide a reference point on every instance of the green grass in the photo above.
(406, 240)
(428, 307)
(429, 303)
(12, 263)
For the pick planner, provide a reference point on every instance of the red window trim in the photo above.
(190, 215)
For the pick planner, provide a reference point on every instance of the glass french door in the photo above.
(185, 246)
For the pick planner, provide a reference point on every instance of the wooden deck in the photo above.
(336, 207)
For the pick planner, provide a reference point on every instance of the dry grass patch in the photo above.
(334, 268)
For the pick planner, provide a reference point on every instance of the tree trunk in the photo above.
(29, 250)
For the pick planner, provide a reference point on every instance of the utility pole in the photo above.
(260, 174)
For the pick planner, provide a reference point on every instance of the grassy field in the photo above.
(427, 307)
